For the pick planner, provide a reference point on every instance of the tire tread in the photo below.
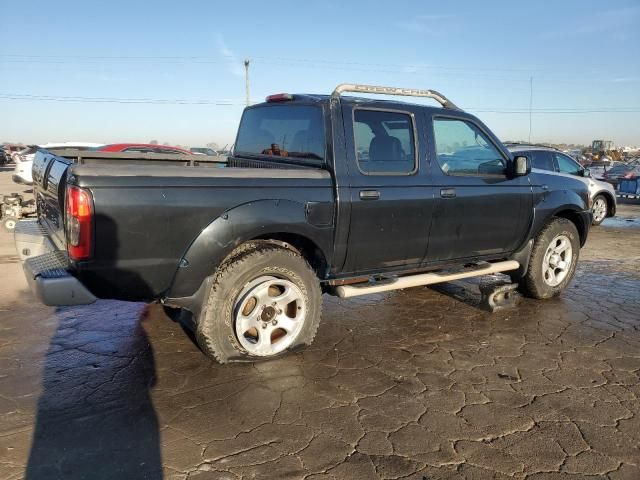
(245, 253)
(529, 285)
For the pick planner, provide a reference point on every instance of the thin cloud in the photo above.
(626, 79)
(426, 24)
(607, 22)
(234, 64)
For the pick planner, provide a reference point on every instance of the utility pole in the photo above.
(530, 104)
(246, 81)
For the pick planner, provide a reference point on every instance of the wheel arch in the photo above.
(301, 244)
(283, 221)
(575, 217)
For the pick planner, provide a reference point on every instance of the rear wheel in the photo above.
(553, 260)
(262, 303)
(599, 209)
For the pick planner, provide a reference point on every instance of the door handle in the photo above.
(369, 194)
(448, 192)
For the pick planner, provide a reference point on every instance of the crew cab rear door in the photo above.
(481, 210)
(391, 202)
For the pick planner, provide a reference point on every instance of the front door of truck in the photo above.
(391, 202)
(481, 210)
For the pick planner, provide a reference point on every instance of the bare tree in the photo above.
(153, 142)
(213, 145)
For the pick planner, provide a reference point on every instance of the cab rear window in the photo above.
(291, 131)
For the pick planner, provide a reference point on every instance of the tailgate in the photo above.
(49, 185)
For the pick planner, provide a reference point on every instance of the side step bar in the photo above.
(397, 283)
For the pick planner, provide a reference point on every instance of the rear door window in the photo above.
(138, 150)
(167, 151)
(294, 131)
(385, 142)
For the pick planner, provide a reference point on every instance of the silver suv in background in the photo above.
(549, 159)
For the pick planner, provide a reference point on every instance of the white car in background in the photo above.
(24, 158)
(549, 159)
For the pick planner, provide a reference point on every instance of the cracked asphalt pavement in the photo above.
(416, 384)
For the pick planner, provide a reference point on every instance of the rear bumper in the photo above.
(46, 268)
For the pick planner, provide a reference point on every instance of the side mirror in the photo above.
(521, 166)
(586, 172)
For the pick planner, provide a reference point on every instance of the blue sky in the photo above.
(117, 71)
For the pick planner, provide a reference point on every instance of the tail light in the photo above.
(279, 97)
(78, 222)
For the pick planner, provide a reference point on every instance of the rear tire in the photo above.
(553, 260)
(263, 301)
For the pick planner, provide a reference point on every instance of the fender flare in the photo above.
(556, 202)
(239, 225)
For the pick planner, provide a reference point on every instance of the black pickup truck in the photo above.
(322, 194)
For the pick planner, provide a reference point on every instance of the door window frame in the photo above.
(416, 160)
(554, 163)
(557, 164)
(486, 134)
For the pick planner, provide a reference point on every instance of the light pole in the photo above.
(246, 81)
(530, 104)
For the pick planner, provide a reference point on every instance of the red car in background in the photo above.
(142, 148)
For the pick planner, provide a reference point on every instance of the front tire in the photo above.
(263, 302)
(553, 260)
(599, 209)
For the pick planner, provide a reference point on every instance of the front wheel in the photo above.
(599, 209)
(262, 303)
(553, 260)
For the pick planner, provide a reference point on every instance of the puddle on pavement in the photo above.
(621, 222)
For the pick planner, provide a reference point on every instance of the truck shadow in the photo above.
(95, 416)
(464, 291)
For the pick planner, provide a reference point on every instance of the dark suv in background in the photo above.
(4, 158)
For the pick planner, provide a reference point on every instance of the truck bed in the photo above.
(148, 211)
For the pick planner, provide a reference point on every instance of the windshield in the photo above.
(282, 131)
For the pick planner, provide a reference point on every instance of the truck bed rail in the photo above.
(88, 157)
